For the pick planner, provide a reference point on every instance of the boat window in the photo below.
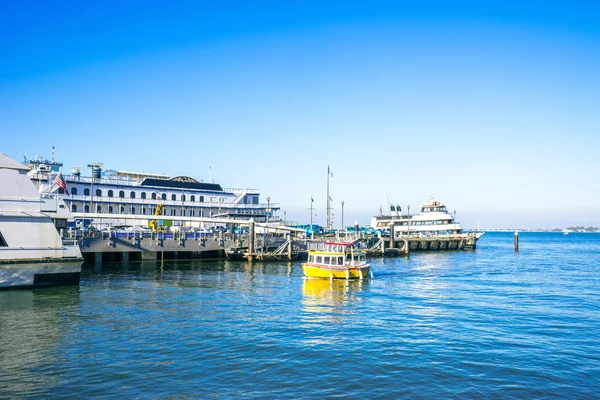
(122, 210)
(173, 197)
(61, 190)
(192, 198)
(183, 197)
(133, 210)
(73, 190)
(201, 199)
(143, 210)
(110, 209)
(340, 260)
(132, 194)
(98, 209)
(86, 192)
(2, 241)
(98, 192)
(193, 212)
(153, 196)
(110, 193)
(121, 194)
(143, 195)
(327, 260)
(73, 208)
(163, 196)
(319, 260)
(87, 208)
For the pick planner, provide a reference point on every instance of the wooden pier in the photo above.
(133, 246)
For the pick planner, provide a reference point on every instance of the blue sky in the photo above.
(492, 109)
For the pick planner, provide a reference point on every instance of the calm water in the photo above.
(487, 323)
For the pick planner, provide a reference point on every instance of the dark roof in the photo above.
(168, 183)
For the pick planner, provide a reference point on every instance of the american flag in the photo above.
(61, 183)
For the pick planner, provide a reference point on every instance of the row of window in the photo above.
(187, 212)
(335, 260)
(418, 223)
(132, 195)
(144, 211)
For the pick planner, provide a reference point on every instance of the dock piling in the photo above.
(516, 241)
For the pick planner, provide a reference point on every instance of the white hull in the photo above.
(39, 274)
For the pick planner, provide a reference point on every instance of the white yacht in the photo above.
(432, 220)
(32, 251)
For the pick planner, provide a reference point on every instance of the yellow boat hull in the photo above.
(312, 271)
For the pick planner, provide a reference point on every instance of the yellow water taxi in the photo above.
(337, 260)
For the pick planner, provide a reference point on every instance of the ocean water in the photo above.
(489, 323)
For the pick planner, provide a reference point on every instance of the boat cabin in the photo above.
(433, 206)
(337, 254)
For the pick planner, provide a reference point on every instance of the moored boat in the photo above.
(433, 228)
(33, 253)
(337, 260)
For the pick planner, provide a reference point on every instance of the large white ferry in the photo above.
(433, 221)
(32, 251)
(122, 194)
(434, 218)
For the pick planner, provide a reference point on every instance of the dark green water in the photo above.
(482, 324)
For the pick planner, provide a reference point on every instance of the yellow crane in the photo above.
(154, 223)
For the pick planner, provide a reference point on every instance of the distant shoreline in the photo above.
(538, 230)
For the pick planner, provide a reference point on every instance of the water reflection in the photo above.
(335, 293)
(32, 328)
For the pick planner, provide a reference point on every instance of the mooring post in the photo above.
(516, 240)
(289, 249)
(251, 236)
(392, 244)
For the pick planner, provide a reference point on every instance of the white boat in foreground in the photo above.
(32, 252)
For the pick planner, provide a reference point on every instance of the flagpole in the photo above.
(327, 196)
(311, 210)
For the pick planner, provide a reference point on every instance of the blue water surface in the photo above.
(489, 323)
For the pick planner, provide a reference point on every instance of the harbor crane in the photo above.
(154, 222)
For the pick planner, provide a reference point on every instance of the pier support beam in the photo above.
(98, 258)
(125, 256)
(392, 233)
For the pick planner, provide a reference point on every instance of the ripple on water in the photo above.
(486, 323)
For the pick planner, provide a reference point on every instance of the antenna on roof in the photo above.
(25, 156)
